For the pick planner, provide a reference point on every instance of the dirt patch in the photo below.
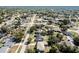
(13, 49)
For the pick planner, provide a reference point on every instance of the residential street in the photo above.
(26, 35)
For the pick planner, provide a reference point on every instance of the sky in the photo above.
(48, 7)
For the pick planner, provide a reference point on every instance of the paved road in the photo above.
(23, 45)
(26, 35)
(70, 40)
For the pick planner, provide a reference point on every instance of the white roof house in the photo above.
(40, 46)
(39, 19)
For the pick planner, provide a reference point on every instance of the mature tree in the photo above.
(18, 35)
(43, 33)
(76, 41)
(52, 40)
(59, 36)
(33, 28)
(64, 48)
(4, 29)
(64, 24)
(75, 38)
(53, 49)
(29, 40)
(1, 20)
